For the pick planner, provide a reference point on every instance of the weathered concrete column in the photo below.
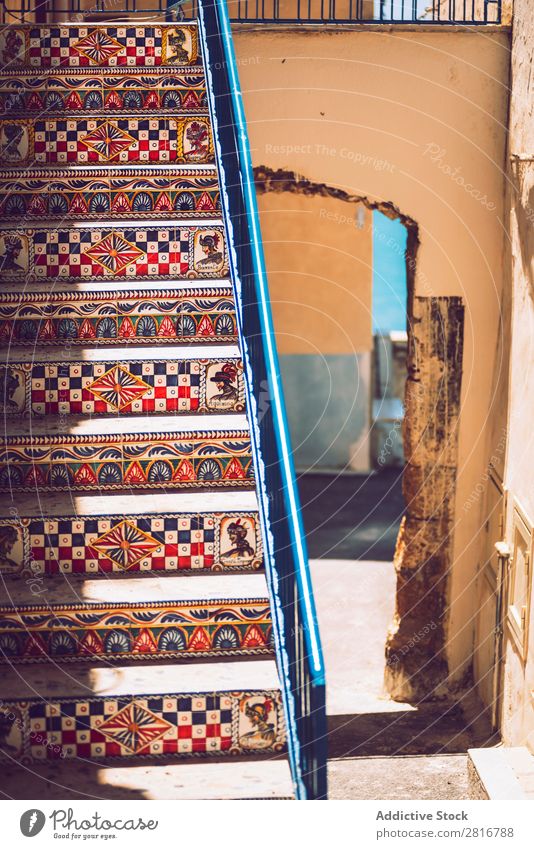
(416, 665)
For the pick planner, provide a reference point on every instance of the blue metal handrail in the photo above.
(295, 627)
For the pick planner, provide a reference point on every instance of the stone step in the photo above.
(45, 535)
(251, 779)
(122, 46)
(122, 380)
(157, 710)
(87, 251)
(86, 91)
(156, 194)
(131, 618)
(184, 452)
(105, 139)
(101, 313)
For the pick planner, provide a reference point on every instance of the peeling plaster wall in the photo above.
(416, 119)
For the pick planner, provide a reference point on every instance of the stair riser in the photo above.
(97, 196)
(116, 318)
(35, 547)
(126, 462)
(134, 631)
(133, 387)
(122, 252)
(76, 46)
(173, 725)
(80, 93)
(105, 139)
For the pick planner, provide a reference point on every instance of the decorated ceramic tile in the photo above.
(88, 46)
(136, 631)
(125, 726)
(75, 253)
(73, 463)
(16, 142)
(105, 194)
(157, 317)
(168, 542)
(14, 255)
(114, 139)
(258, 726)
(154, 386)
(14, 547)
(89, 91)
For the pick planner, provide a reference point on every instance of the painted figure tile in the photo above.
(14, 43)
(124, 726)
(125, 317)
(17, 142)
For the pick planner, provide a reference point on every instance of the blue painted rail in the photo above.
(297, 640)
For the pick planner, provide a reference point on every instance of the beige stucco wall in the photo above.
(416, 118)
(320, 272)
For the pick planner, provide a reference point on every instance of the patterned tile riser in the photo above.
(159, 252)
(90, 46)
(100, 196)
(91, 545)
(158, 726)
(126, 462)
(137, 317)
(88, 388)
(106, 139)
(55, 94)
(62, 633)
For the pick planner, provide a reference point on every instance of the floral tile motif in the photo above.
(110, 195)
(122, 726)
(155, 317)
(185, 541)
(152, 386)
(87, 46)
(71, 463)
(57, 141)
(89, 92)
(139, 631)
(89, 253)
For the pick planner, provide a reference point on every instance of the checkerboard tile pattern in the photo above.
(88, 46)
(88, 544)
(108, 139)
(89, 253)
(89, 388)
(125, 726)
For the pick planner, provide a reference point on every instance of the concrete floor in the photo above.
(356, 517)
(379, 749)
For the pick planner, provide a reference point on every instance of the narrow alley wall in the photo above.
(416, 118)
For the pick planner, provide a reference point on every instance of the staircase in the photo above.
(136, 624)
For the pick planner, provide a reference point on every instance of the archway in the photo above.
(416, 664)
